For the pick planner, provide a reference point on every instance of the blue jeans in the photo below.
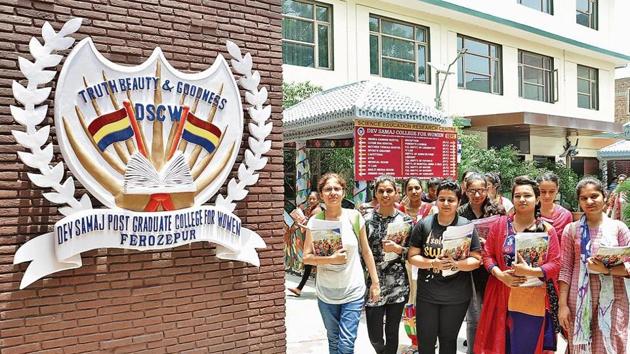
(342, 323)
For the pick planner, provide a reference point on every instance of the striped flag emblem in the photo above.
(202, 133)
(111, 128)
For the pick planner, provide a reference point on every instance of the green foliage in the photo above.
(625, 189)
(337, 160)
(296, 92)
(507, 163)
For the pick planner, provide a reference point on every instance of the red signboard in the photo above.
(403, 150)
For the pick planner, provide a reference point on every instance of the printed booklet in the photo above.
(456, 244)
(326, 237)
(532, 247)
(612, 255)
(483, 226)
(397, 232)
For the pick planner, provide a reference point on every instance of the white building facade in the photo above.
(534, 71)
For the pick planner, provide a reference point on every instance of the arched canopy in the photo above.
(331, 113)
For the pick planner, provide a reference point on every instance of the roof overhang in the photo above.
(545, 124)
(465, 14)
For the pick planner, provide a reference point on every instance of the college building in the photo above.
(175, 296)
(537, 74)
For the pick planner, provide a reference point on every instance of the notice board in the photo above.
(403, 150)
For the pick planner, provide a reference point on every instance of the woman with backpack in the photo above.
(441, 301)
(340, 283)
(384, 225)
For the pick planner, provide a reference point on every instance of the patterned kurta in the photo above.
(391, 274)
(570, 273)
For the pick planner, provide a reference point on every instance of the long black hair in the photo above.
(489, 207)
(527, 181)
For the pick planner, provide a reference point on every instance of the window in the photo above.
(586, 13)
(540, 5)
(307, 34)
(480, 68)
(587, 87)
(535, 77)
(542, 160)
(399, 50)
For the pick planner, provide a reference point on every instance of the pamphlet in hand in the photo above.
(612, 255)
(483, 226)
(326, 237)
(398, 233)
(456, 244)
(298, 215)
(532, 247)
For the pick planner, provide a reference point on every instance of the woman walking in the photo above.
(494, 191)
(340, 284)
(519, 320)
(312, 209)
(593, 297)
(441, 300)
(390, 258)
(479, 206)
(551, 212)
(413, 204)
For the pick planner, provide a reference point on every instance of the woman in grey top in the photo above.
(389, 256)
(340, 284)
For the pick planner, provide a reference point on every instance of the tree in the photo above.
(507, 162)
(296, 92)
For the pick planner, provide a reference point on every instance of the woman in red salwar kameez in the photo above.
(519, 320)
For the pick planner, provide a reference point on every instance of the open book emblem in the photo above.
(149, 137)
(151, 143)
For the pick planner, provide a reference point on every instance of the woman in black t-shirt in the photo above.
(441, 301)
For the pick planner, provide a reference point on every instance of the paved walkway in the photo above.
(306, 333)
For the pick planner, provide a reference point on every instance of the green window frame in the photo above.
(536, 77)
(545, 6)
(480, 68)
(307, 34)
(587, 87)
(399, 50)
(586, 13)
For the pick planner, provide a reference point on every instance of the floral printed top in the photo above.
(391, 273)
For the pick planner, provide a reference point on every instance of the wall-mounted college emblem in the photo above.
(151, 143)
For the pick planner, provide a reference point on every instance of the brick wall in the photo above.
(180, 300)
(622, 89)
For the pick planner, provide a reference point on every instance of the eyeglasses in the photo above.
(329, 190)
(481, 191)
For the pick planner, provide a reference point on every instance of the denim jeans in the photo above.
(342, 323)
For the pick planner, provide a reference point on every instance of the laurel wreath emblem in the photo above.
(33, 113)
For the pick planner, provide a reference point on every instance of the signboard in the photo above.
(151, 143)
(403, 150)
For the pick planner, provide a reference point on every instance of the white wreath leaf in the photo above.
(260, 116)
(36, 49)
(54, 197)
(233, 49)
(259, 130)
(262, 146)
(36, 116)
(30, 96)
(32, 115)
